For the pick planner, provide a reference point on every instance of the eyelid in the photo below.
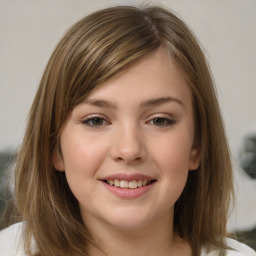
(91, 117)
(160, 115)
(166, 117)
(167, 121)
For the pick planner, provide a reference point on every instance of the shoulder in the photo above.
(239, 249)
(11, 241)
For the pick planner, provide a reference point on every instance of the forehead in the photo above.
(153, 76)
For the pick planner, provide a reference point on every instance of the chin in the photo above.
(131, 225)
(130, 221)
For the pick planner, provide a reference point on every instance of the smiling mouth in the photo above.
(129, 184)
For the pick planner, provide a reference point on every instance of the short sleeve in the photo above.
(11, 241)
(240, 249)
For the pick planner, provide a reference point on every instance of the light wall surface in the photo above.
(227, 30)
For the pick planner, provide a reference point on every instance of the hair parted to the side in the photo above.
(94, 50)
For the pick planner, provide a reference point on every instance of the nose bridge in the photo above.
(129, 144)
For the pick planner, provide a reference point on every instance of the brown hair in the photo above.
(94, 50)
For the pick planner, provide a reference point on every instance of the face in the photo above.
(128, 148)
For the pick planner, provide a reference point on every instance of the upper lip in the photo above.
(128, 177)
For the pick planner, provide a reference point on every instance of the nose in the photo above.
(128, 145)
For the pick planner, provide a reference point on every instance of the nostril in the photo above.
(119, 159)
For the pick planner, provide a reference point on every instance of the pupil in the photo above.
(97, 121)
(159, 121)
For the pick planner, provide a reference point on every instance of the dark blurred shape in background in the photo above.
(248, 156)
(6, 159)
(247, 237)
(248, 164)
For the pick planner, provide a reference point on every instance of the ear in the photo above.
(57, 160)
(195, 158)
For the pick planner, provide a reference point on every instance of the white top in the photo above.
(11, 244)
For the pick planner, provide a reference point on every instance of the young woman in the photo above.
(125, 151)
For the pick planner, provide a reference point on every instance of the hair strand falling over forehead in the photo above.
(95, 49)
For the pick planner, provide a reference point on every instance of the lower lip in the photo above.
(128, 193)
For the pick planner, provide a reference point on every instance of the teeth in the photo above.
(144, 182)
(116, 183)
(128, 184)
(139, 183)
(123, 184)
(133, 184)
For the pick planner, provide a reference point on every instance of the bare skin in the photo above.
(155, 240)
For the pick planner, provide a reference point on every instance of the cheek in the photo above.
(172, 157)
(173, 153)
(79, 152)
(82, 158)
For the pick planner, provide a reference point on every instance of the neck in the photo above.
(155, 239)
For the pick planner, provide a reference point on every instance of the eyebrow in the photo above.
(145, 104)
(101, 103)
(160, 101)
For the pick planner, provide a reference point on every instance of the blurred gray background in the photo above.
(226, 29)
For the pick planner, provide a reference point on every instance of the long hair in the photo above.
(94, 50)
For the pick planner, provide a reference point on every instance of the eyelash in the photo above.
(89, 121)
(162, 122)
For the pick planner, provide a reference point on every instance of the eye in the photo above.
(162, 121)
(95, 121)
